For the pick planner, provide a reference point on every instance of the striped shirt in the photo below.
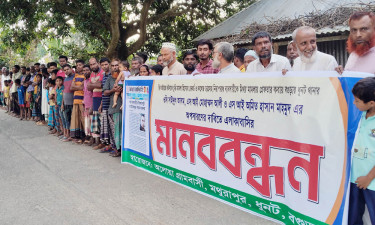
(78, 95)
(105, 99)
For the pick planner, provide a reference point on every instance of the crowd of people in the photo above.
(83, 103)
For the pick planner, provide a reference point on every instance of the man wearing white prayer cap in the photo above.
(171, 65)
(250, 56)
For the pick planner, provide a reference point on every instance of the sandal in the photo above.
(116, 154)
(106, 150)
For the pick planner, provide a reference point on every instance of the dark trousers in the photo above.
(14, 104)
(358, 198)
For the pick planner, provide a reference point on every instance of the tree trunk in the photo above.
(112, 51)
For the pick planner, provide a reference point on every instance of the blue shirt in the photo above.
(364, 150)
(59, 95)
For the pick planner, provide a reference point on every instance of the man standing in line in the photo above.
(361, 43)
(77, 126)
(250, 56)
(104, 118)
(361, 46)
(115, 114)
(291, 53)
(267, 62)
(67, 105)
(239, 59)
(172, 66)
(190, 60)
(310, 59)
(13, 90)
(136, 64)
(204, 50)
(223, 57)
(63, 60)
(95, 85)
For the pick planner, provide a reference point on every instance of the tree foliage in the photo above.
(109, 26)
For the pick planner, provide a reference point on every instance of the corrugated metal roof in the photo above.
(266, 11)
(324, 31)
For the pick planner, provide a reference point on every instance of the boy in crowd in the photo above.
(45, 92)
(21, 99)
(26, 85)
(52, 109)
(6, 94)
(38, 98)
(59, 88)
(77, 131)
(87, 102)
(67, 104)
(362, 186)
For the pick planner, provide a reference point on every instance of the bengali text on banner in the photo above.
(278, 147)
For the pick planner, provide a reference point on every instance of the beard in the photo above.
(360, 49)
(305, 59)
(291, 61)
(216, 63)
(267, 55)
(189, 67)
(95, 70)
(134, 71)
(166, 63)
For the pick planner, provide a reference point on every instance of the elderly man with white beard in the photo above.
(223, 58)
(172, 66)
(310, 59)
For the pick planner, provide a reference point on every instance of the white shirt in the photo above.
(4, 78)
(15, 76)
(176, 69)
(231, 68)
(277, 63)
(322, 62)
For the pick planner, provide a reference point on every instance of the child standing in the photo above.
(51, 101)
(87, 102)
(38, 99)
(26, 84)
(6, 95)
(362, 186)
(59, 89)
(21, 98)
